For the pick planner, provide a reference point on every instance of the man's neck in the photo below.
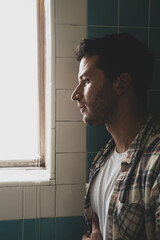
(125, 128)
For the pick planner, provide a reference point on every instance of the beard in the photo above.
(102, 111)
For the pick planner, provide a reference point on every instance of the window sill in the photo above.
(19, 177)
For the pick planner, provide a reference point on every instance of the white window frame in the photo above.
(43, 169)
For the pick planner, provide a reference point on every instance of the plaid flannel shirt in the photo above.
(134, 209)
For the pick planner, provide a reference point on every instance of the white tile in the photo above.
(66, 109)
(10, 203)
(69, 200)
(30, 202)
(70, 168)
(70, 137)
(51, 107)
(66, 73)
(38, 201)
(71, 11)
(51, 160)
(48, 201)
(67, 38)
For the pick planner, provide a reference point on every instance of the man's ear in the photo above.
(122, 83)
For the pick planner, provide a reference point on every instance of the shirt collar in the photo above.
(139, 141)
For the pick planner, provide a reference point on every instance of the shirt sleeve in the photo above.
(155, 205)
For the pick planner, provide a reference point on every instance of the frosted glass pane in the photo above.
(18, 80)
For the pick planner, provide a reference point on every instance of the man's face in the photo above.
(94, 93)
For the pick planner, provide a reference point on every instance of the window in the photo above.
(22, 83)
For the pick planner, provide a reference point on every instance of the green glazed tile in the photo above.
(47, 229)
(155, 13)
(154, 103)
(103, 12)
(68, 228)
(156, 76)
(140, 33)
(97, 138)
(11, 230)
(29, 229)
(134, 13)
(155, 41)
(94, 32)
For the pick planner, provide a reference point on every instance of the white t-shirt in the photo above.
(102, 188)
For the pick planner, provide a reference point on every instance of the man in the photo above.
(123, 194)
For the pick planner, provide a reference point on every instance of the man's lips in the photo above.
(82, 107)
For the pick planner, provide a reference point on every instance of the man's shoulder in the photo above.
(151, 154)
(153, 142)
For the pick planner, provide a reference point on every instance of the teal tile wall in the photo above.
(154, 13)
(29, 227)
(154, 98)
(47, 229)
(140, 18)
(70, 228)
(102, 12)
(133, 13)
(156, 76)
(66, 228)
(11, 230)
(154, 41)
(96, 31)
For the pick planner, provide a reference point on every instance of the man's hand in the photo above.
(95, 235)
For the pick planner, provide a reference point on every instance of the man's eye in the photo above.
(86, 81)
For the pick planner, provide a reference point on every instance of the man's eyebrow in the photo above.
(84, 74)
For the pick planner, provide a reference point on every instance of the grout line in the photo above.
(153, 90)
(68, 121)
(63, 89)
(71, 153)
(70, 184)
(55, 165)
(23, 204)
(55, 130)
(61, 57)
(100, 26)
(71, 24)
(118, 14)
(149, 15)
(124, 26)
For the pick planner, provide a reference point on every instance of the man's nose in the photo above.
(76, 95)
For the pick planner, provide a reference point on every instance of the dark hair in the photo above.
(121, 53)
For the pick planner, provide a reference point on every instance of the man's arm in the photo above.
(95, 235)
